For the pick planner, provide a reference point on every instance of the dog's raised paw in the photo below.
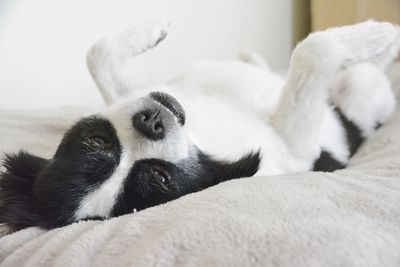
(141, 38)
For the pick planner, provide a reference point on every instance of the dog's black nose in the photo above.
(150, 123)
(170, 103)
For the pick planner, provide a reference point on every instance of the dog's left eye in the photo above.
(97, 141)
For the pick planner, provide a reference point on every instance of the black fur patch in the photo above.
(46, 193)
(353, 133)
(17, 208)
(220, 171)
(327, 163)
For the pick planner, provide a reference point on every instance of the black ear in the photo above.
(16, 185)
(246, 166)
(216, 171)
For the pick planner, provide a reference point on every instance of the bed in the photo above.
(347, 218)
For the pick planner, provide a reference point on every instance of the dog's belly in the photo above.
(240, 84)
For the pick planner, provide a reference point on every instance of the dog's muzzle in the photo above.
(152, 122)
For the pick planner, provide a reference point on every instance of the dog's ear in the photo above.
(217, 171)
(16, 185)
(246, 166)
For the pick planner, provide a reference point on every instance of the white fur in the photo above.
(332, 136)
(365, 100)
(235, 107)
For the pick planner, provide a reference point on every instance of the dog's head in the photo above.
(134, 155)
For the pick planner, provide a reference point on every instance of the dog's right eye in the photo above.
(161, 176)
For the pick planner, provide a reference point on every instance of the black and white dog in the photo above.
(218, 121)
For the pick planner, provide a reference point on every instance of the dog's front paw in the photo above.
(141, 38)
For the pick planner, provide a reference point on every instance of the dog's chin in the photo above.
(171, 104)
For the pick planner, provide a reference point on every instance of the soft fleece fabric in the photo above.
(347, 218)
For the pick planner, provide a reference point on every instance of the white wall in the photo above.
(43, 42)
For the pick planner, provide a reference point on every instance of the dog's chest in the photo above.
(226, 131)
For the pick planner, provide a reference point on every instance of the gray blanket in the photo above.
(347, 218)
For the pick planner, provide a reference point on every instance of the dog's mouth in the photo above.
(170, 103)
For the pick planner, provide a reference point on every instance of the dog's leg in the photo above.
(314, 63)
(107, 58)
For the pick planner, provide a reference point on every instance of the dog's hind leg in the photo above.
(107, 58)
(314, 63)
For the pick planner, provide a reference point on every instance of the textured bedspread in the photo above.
(347, 218)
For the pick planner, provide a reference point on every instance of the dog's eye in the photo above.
(161, 176)
(97, 141)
